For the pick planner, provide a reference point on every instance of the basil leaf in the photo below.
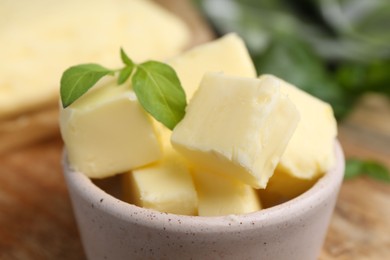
(159, 91)
(77, 80)
(377, 171)
(125, 73)
(353, 168)
(125, 59)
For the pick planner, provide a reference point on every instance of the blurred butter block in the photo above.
(219, 195)
(107, 132)
(237, 126)
(41, 38)
(309, 154)
(166, 186)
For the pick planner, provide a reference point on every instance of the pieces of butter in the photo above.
(283, 187)
(310, 152)
(220, 195)
(237, 126)
(165, 186)
(41, 38)
(107, 132)
(227, 54)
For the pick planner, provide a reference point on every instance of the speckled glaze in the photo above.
(113, 229)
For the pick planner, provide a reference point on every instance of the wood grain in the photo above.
(28, 128)
(360, 226)
(36, 219)
(361, 223)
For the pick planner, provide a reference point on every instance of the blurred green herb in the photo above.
(293, 60)
(155, 84)
(356, 167)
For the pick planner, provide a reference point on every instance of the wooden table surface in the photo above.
(37, 222)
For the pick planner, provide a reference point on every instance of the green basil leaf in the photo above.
(377, 171)
(125, 59)
(159, 91)
(124, 74)
(353, 168)
(372, 169)
(77, 80)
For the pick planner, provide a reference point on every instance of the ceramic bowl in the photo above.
(113, 229)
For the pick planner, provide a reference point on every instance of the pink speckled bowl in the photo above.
(113, 229)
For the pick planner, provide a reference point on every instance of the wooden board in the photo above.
(37, 222)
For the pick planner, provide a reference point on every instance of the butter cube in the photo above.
(310, 152)
(227, 54)
(220, 195)
(107, 132)
(283, 187)
(165, 186)
(237, 126)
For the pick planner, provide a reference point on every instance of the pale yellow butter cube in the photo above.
(310, 152)
(227, 54)
(283, 187)
(107, 132)
(165, 186)
(220, 195)
(237, 126)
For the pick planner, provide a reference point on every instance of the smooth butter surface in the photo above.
(227, 54)
(220, 195)
(309, 154)
(107, 132)
(237, 126)
(283, 187)
(165, 186)
(41, 38)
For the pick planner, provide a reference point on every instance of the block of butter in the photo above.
(107, 132)
(227, 54)
(237, 126)
(166, 186)
(309, 154)
(220, 195)
(41, 38)
(283, 187)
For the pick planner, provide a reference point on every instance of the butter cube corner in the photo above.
(220, 195)
(107, 132)
(237, 126)
(166, 186)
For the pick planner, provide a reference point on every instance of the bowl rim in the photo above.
(323, 189)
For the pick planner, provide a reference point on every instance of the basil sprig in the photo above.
(155, 84)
